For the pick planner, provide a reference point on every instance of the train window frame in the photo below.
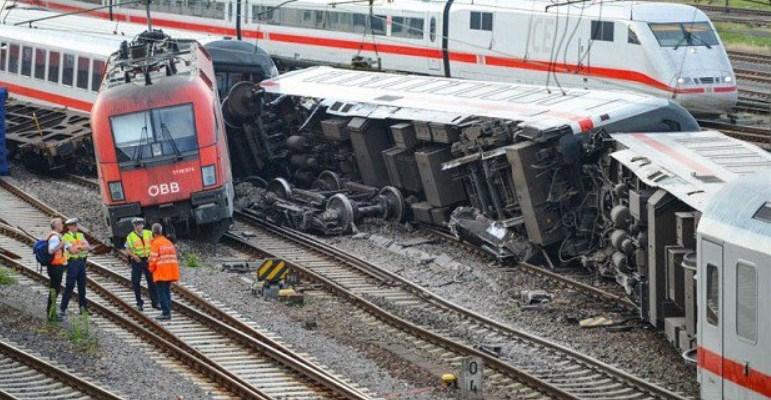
(58, 65)
(602, 30)
(407, 27)
(713, 295)
(432, 29)
(97, 73)
(68, 78)
(742, 293)
(86, 73)
(763, 213)
(25, 65)
(43, 67)
(3, 55)
(481, 21)
(154, 160)
(632, 37)
(13, 62)
(659, 29)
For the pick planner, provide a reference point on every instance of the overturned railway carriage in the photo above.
(160, 138)
(670, 50)
(614, 182)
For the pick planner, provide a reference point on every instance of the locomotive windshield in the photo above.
(153, 134)
(684, 34)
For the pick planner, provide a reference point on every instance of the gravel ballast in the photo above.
(113, 363)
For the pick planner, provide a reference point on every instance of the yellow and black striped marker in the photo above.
(272, 270)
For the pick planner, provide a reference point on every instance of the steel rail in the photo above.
(187, 357)
(331, 252)
(210, 316)
(81, 385)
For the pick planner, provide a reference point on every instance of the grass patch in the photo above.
(5, 277)
(738, 35)
(192, 261)
(82, 335)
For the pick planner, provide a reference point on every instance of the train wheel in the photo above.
(328, 181)
(393, 202)
(341, 205)
(212, 233)
(281, 188)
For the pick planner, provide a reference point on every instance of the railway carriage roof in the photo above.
(692, 166)
(445, 100)
(94, 44)
(740, 213)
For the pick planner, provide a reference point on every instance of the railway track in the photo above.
(758, 135)
(749, 57)
(26, 376)
(522, 359)
(210, 340)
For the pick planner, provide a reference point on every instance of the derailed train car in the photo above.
(596, 179)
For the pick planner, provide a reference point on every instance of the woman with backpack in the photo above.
(55, 267)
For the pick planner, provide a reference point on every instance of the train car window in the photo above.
(264, 14)
(68, 70)
(13, 59)
(205, 8)
(26, 61)
(143, 135)
(746, 302)
(763, 213)
(377, 24)
(83, 64)
(53, 66)
(407, 27)
(687, 34)
(432, 29)
(632, 37)
(97, 71)
(40, 63)
(481, 21)
(602, 30)
(713, 295)
(359, 23)
(3, 55)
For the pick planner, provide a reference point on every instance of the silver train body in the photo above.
(664, 49)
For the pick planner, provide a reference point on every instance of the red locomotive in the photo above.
(160, 139)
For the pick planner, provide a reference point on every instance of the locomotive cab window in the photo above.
(632, 37)
(763, 213)
(154, 134)
(746, 302)
(602, 30)
(481, 21)
(684, 34)
(713, 295)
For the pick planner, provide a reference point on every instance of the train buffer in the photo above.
(274, 281)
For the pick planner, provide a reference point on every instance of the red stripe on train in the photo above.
(508, 62)
(46, 96)
(735, 372)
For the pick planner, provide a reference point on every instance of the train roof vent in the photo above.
(763, 213)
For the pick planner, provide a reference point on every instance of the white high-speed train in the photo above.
(664, 49)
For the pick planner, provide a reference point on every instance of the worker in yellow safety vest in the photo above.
(138, 251)
(76, 250)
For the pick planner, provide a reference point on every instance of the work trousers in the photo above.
(76, 273)
(55, 275)
(164, 295)
(137, 270)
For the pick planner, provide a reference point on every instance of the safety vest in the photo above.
(139, 247)
(75, 240)
(58, 259)
(163, 261)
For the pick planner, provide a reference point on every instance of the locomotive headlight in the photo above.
(116, 191)
(209, 176)
(681, 80)
(728, 79)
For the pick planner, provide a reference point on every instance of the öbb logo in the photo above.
(163, 189)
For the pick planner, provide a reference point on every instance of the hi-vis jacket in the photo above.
(163, 260)
(139, 246)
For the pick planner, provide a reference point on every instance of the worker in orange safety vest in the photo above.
(56, 267)
(164, 266)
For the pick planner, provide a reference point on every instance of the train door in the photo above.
(711, 280)
(435, 42)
